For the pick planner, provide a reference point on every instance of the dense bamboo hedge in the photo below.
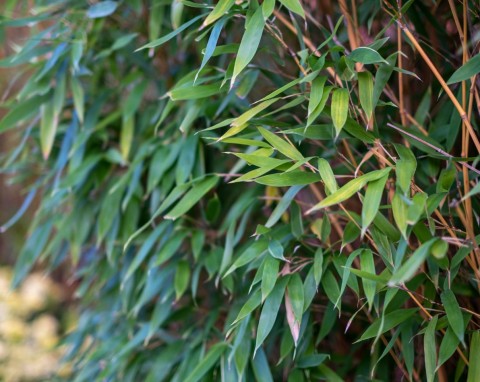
(240, 191)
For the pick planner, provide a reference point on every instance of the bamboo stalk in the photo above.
(442, 82)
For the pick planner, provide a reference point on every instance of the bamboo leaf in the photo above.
(48, 128)
(249, 114)
(400, 213)
(249, 44)
(192, 197)
(365, 90)
(282, 206)
(292, 178)
(339, 108)
(102, 9)
(169, 36)
(454, 314)
(269, 275)
(366, 55)
(221, 8)
(350, 189)
(411, 266)
(367, 264)
(296, 295)
(269, 312)
(182, 277)
(474, 365)
(295, 6)
(448, 346)
(430, 349)
(207, 362)
(316, 93)
(390, 321)
(466, 71)
(327, 176)
(371, 202)
(282, 146)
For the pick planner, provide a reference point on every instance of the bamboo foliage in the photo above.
(254, 191)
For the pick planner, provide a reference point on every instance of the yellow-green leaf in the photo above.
(126, 136)
(294, 6)
(400, 213)
(249, 114)
(78, 97)
(282, 146)
(339, 108)
(222, 7)
(327, 176)
(350, 189)
(48, 128)
(365, 91)
(371, 202)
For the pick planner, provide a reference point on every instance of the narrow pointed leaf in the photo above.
(339, 108)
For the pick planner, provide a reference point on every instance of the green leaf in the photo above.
(390, 321)
(350, 189)
(295, 6)
(48, 128)
(282, 146)
(102, 9)
(261, 368)
(339, 108)
(384, 72)
(330, 286)
(276, 250)
(126, 136)
(169, 36)
(454, 314)
(400, 213)
(474, 356)
(249, 114)
(367, 55)
(367, 264)
(207, 362)
(411, 266)
(252, 303)
(269, 312)
(221, 8)
(430, 349)
(78, 97)
(269, 275)
(466, 71)
(316, 93)
(319, 108)
(21, 112)
(296, 294)
(318, 266)
(327, 176)
(182, 277)
(292, 178)
(198, 190)
(249, 44)
(448, 346)
(405, 168)
(282, 206)
(365, 90)
(371, 202)
(191, 92)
